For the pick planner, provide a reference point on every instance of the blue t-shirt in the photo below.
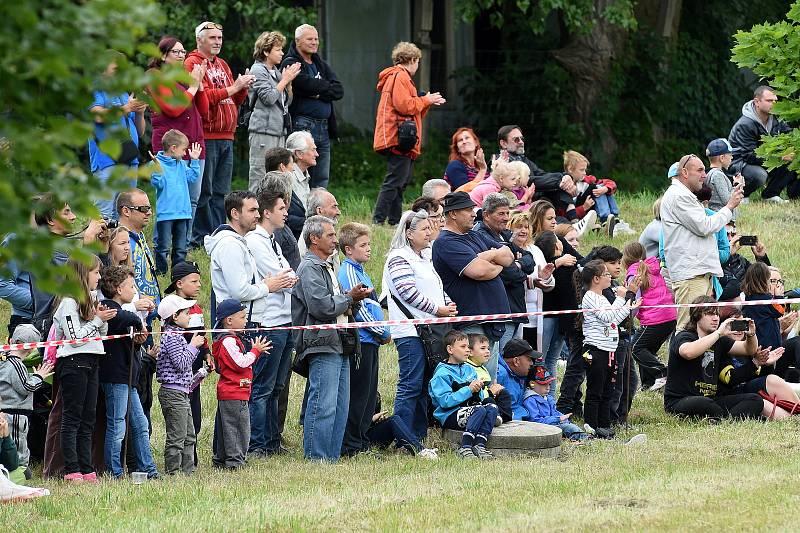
(452, 253)
(312, 107)
(97, 159)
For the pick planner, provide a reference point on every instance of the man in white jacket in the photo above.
(233, 267)
(690, 246)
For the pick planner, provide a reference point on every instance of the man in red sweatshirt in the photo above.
(219, 124)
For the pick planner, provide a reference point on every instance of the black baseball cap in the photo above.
(518, 347)
(180, 271)
(454, 201)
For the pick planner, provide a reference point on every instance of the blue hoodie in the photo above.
(172, 187)
(444, 398)
(351, 273)
(541, 409)
(515, 385)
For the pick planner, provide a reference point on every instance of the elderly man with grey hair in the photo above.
(323, 355)
(496, 208)
(435, 189)
(322, 202)
(316, 87)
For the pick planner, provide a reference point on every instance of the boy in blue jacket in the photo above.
(456, 392)
(354, 241)
(541, 408)
(171, 178)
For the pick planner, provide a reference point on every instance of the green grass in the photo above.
(733, 476)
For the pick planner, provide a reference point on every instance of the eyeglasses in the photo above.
(776, 281)
(212, 26)
(607, 274)
(519, 139)
(140, 208)
(178, 52)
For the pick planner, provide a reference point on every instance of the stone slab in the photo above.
(518, 438)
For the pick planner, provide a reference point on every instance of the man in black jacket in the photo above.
(558, 187)
(494, 225)
(315, 90)
(736, 265)
(757, 120)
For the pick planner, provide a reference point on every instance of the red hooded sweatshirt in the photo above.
(235, 367)
(219, 122)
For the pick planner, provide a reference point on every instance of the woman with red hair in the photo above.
(467, 163)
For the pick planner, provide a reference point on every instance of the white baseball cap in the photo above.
(171, 304)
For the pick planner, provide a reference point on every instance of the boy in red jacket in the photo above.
(232, 423)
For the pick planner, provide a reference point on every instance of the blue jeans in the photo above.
(552, 341)
(269, 378)
(216, 183)
(106, 207)
(494, 347)
(171, 237)
(572, 431)
(393, 429)
(326, 409)
(411, 400)
(116, 408)
(194, 195)
(318, 128)
(605, 205)
(511, 332)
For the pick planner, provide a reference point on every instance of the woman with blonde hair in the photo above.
(268, 101)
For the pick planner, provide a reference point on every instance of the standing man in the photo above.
(690, 242)
(219, 124)
(318, 299)
(316, 87)
(233, 267)
(757, 120)
(398, 128)
(470, 264)
(269, 373)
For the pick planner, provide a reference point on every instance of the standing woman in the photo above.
(398, 128)
(409, 278)
(183, 116)
(467, 162)
(269, 99)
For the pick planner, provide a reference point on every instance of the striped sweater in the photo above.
(174, 363)
(601, 328)
(351, 273)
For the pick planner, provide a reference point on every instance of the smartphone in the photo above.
(740, 325)
(748, 240)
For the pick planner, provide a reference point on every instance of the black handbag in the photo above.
(406, 135)
(430, 335)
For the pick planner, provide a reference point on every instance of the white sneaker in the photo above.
(622, 228)
(585, 224)
(659, 384)
(641, 438)
(776, 200)
(10, 491)
(588, 429)
(430, 454)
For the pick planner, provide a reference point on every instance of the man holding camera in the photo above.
(690, 248)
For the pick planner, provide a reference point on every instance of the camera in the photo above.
(748, 240)
(110, 223)
(740, 325)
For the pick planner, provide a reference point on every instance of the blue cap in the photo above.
(719, 147)
(673, 170)
(227, 308)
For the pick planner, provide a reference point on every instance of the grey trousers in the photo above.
(18, 428)
(179, 448)
(231, 433)
(259, 144)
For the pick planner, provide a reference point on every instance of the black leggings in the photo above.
(732, 405)
(601, 374)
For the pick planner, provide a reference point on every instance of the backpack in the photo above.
(245, 110)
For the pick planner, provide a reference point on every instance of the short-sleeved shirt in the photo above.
(98, 159)
(694, 377)
(452, 253)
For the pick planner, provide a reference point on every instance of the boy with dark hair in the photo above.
(457, 395)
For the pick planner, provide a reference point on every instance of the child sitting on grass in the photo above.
(495, 393)
(235, 367)
(17, 387)
(456, 393)
(542, 409)
(174, 372)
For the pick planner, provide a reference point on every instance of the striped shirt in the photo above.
(601, 328)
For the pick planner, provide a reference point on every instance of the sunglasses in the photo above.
(212, 26)
(140, 208)
(684, 161)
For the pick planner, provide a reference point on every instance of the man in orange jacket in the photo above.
(398, 128)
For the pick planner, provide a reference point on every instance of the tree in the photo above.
(56, 53)
(771, 52)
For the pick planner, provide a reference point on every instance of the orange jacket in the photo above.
(399, 102)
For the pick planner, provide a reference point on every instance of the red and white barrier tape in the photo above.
(383, 323)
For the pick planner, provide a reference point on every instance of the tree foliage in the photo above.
(771, 51)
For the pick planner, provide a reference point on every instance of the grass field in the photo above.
(687, 476)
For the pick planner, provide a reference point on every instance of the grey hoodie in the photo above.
(270, 105)
(233, 270)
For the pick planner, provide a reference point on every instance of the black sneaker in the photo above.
(481, 452)
(465, 452)
(604, 433)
